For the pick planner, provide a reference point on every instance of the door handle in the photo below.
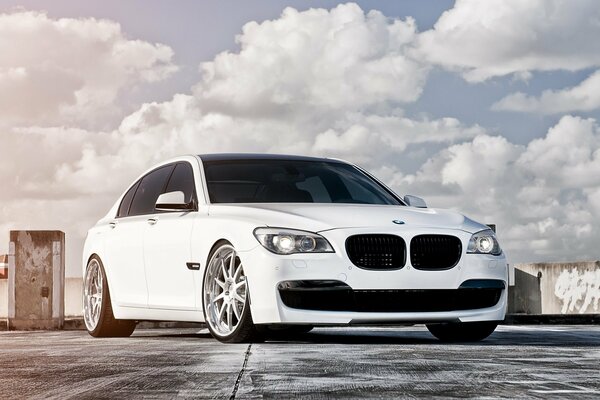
(152, 221)
(112, 225)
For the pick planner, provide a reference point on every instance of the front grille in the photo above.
(376, 251)
(435, 252)
(343, 298)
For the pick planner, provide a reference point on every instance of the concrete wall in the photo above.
(563, 288)
(73, 297)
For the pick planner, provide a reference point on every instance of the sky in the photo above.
(488, 108)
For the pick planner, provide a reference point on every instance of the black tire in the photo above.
(245, 331)
(108, 325)
(462, 331)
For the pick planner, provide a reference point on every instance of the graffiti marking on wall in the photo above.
(578, 290)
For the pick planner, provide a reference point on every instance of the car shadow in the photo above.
(546, 336)
(530, 336)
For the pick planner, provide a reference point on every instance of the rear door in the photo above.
(124, 241)
(167, 248)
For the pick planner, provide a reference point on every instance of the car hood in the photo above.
(321, 217)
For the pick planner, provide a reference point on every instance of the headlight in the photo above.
(290, 241)
(484, 242)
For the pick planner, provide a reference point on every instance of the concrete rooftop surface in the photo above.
(516, 361)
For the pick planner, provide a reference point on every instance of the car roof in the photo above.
(260, 156)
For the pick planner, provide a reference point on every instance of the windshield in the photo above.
(292, 181)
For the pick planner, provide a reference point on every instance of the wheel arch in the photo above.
(215, 246)
(92, 256)
(107, 273)
(244, 329)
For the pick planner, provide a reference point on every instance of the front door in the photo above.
(167, 248)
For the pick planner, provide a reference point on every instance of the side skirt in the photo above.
(153, 314)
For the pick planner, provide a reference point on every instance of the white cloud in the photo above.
(59, 78)
(338, 59)
(583, 97)
(544, 197)
(366, 138)
(62, 71)
(484, 39)
(299, 84)
(568, 157)
(317, 82)
(307, 82)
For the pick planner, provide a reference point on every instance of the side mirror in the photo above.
(172, 201)
(415, 201)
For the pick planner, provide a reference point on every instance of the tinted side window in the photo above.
(360, 192)
(126, 202)
(151, 186)
(182, 180)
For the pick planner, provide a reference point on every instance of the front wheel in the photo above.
(97, 308)
(226, 297)
(462, 331)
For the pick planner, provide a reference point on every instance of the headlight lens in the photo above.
(290, 241)
(484, 242)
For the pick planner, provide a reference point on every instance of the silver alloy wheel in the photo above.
(92, 295)
(224, 291)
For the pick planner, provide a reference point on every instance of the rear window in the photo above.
(150, 187)
(126, 202)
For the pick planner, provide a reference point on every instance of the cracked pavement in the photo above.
(516, 361)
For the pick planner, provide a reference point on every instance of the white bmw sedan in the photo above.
(253, 244)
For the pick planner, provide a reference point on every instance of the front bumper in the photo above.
(266, 271)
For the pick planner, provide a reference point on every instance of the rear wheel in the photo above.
(97, 308)
(226, 298)
(462, 331)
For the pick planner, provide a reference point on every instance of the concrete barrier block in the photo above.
(525, 296)
(36, 280)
